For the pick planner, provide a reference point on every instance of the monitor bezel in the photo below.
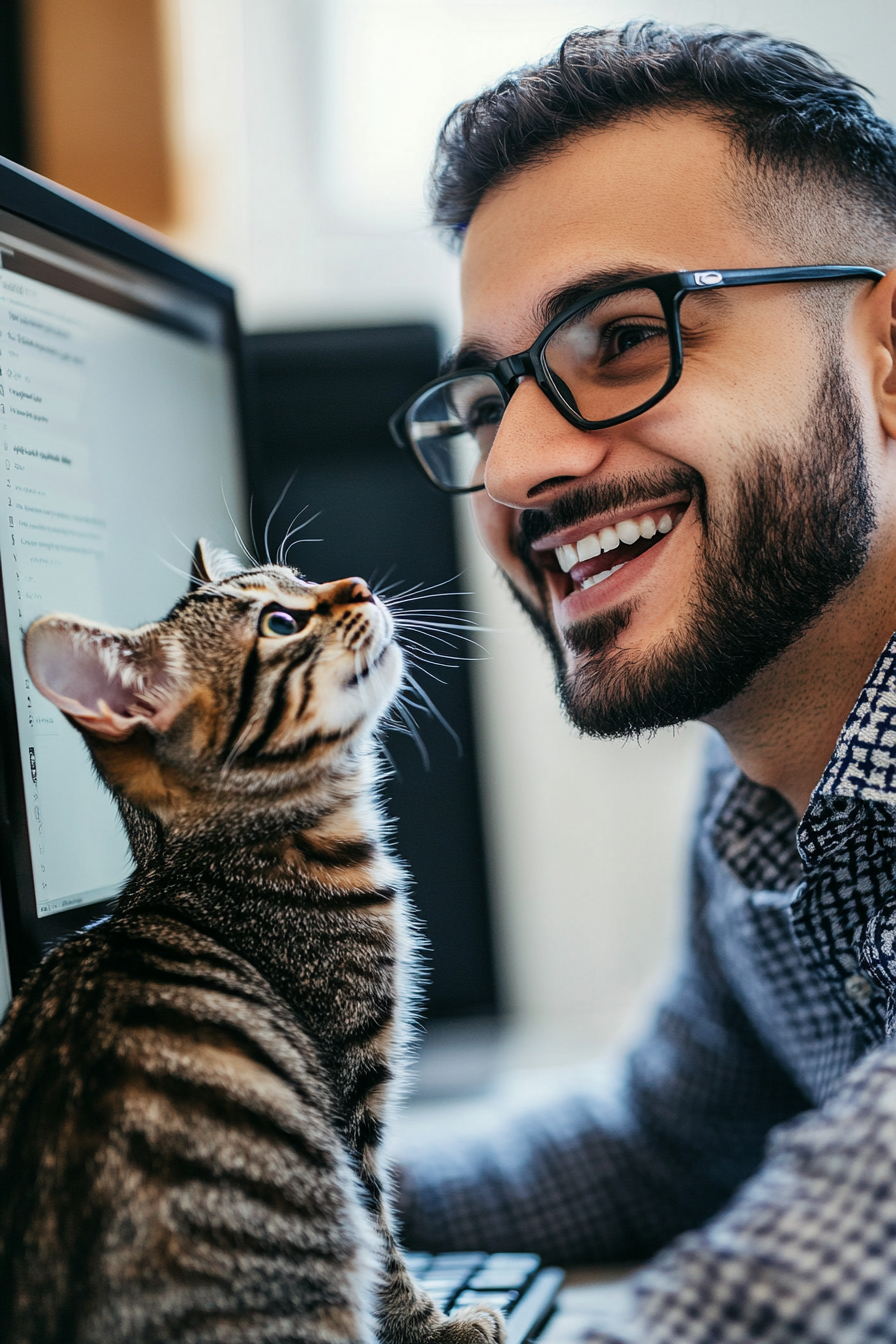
(39, 201)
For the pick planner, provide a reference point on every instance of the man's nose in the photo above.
(536, 450)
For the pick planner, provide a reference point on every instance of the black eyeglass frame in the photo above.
(670, 289)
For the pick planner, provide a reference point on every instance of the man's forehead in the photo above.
(641, 197)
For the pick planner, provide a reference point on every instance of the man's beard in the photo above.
(796, 532)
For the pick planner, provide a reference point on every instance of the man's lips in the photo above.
(589, 552)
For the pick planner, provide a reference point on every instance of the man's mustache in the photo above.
(580, 503)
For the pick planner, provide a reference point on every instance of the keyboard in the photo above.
(514, 1283)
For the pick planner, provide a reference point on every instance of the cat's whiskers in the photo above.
(292, 524)
(379, 586)
(418, 638)
(253, 559)
(270, 518)
(363, 675)
(252, 524)
(441, 646)
(181, 573)
(291, 539)
(417, 591)
(409, 728)
(435, 656)
(431, 637)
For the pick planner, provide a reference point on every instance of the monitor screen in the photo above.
(120, 444)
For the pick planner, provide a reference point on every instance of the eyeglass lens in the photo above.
(606, 360)
(452, 427)
(609, 359)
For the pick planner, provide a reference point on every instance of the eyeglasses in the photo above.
(609, 357)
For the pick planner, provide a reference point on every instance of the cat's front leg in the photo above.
(407, 1315)
(363, 1074)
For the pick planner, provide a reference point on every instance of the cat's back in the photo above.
(167, 1146)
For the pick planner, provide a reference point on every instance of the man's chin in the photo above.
(610, 689)
(610, 692)
(593, 674)
(606, 689)
(596, 638)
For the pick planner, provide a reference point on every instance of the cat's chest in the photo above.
(337, 968)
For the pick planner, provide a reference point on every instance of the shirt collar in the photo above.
(858, 786)
(756, 832)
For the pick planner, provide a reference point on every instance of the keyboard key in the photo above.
(510, 1282)
(441, 1300)
(417, 1261)
(513, 1260)
(456, 1260)
(489, 1278)
(442, 1283)
(534, 1306)
(501, 1301)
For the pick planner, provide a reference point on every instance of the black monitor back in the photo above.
(318, 405)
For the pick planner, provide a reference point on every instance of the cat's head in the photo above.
(255, 684)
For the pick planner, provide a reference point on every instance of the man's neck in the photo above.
(783, 729)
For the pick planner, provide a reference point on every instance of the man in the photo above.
(690, 484)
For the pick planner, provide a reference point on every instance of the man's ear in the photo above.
(211, 564)
(883, 296)
(108, 681)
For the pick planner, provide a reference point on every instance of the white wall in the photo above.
(306, 129)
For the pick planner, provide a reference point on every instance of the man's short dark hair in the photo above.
(792, 116)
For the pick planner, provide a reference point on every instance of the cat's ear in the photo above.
(211, 564)
(108, 681)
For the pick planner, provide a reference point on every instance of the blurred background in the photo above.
(285, 144)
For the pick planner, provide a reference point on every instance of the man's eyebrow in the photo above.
(556, 302)
(470, 356)
(476, 354)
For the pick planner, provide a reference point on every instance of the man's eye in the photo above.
(280, 624)
(622, 339)
(485, 412)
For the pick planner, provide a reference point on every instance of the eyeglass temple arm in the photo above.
(772, 275)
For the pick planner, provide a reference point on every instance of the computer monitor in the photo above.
(120, 443)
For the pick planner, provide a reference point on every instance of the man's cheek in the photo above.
(493, 523)
(496, 525)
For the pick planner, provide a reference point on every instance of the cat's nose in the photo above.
(358, 591)
(344, 593)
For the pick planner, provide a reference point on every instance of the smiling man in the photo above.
(675, 403)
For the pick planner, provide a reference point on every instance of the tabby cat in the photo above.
(192, 1092)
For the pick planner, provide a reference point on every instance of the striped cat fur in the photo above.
(192, 1093)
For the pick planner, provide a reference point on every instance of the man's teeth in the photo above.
(626, 533)
(599, 578)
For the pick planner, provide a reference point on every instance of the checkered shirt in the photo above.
(782, 1020)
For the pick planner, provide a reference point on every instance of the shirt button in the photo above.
(858, 988)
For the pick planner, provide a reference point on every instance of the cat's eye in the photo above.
(277, 624)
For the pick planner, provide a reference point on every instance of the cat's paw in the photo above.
(473, 1325)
